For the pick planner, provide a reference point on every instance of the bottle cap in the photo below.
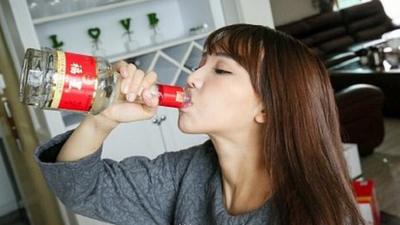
(171, 96)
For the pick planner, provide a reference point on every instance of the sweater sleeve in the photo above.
(135, 189)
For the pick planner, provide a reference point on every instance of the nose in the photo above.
(195, 80)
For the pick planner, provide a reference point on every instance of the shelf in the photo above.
(201, 42)
(194, 59)
(181, 81)
(177, 52)
(96, 9)
(153, 48)
(166, 70)
(143, 62)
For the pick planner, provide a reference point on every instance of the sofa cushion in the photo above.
(322, 21)
(372, 32)
(336, 44)
(324, 36)
(366, 22)
(298, 29)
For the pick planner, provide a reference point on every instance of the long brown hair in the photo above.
(302, 144)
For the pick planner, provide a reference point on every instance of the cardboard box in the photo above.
(352, 159)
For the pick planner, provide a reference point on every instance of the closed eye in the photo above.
(222, 72)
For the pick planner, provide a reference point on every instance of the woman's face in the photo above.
(223, 99)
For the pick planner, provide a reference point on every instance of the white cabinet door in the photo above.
(137, 138)
(175, 139)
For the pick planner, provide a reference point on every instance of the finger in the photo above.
(149, 99)
(135, 85)
(126, 82)
(120, 67)
(149, 80)
(137, 79)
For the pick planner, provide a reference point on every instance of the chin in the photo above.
(188, 127)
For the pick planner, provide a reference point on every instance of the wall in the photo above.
(248, 11)
(285, 11)
(256, 12)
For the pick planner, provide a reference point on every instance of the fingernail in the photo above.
(131, 97)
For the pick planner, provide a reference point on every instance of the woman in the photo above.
(274, 154)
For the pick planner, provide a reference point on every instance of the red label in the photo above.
(79, 82)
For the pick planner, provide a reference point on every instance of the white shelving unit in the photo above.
(170, 58)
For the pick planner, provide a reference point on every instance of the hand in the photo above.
(133, 83)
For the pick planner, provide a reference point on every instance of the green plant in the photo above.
(94, 33)
(55, 42)
(153, 20)
(126, 24)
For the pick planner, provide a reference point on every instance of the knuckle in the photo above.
(137, 81)
(150, 78)
(132, 66)
(140, 73)
(120, 63)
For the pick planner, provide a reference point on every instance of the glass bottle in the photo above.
(56, 80)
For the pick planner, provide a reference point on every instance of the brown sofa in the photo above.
(331, 35)
(332, 32)
(360, 113)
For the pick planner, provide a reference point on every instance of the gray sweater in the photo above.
(177, 188)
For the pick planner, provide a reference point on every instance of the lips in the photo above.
(187, 102)
(187, 98)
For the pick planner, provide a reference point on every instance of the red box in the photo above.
(367, 201)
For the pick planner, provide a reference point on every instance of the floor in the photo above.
(384, 168)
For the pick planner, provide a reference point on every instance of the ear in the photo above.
(261, 116)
